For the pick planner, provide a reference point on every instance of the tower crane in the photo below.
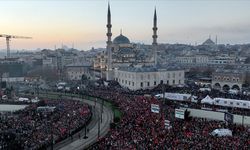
(8, 37)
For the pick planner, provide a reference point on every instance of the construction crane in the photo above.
(8, 37)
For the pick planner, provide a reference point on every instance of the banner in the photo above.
(167, 124)
(179, 113)
(155, 108)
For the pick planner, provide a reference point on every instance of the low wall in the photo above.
(214, 115)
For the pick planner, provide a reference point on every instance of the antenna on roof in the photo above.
(121, 31)
(209, 36)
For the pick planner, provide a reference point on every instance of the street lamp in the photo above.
(102, 109)
(68, 115)
(85, 135)
(51, 135)
(99, 125)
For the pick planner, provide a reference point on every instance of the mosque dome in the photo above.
(208, 42)
(121, 39)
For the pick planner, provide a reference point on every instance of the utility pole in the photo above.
(85, 136)
(163, 103)
(163, 93)
(98, 125)
(102, 109)
(51, 132)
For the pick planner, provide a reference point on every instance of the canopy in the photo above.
(207, 100)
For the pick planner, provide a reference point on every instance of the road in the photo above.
(77, 143)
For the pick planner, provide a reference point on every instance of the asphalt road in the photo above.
(77, 143)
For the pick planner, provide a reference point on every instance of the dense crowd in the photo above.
(140, 128)
(32, 128)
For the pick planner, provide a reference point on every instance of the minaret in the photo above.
(109, 42)
(216, 39)
(154, 44)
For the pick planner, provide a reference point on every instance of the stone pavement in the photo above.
(76, 143)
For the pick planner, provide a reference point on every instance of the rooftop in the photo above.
(121, 39)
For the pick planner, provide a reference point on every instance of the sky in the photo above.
(82, 23)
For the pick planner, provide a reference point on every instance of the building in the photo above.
(134, 70)
(194, 60)
(12, 70)
(210, 45)
(222, 60)
(147, 77)
(50, 62)
(76, 71)
(228, 79)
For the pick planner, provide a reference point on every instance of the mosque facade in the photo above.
(132, 67)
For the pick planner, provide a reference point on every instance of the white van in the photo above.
(222, 132)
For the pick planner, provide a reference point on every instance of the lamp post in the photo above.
(51, 134)
(163, 103)
(163, 93)
(102, 109)
(99, 124)
(68, 115)
(85, 135)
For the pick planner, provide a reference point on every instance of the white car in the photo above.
(4, 97)
(22, 99)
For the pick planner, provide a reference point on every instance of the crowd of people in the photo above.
(33, 128)
(140, 128)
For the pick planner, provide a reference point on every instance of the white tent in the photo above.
(207, 100)
(177, 96)
(232, 103)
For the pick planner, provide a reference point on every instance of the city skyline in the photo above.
(83, 23)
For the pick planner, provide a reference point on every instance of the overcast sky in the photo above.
(83, 22)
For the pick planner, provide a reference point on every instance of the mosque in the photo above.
(133, 67)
